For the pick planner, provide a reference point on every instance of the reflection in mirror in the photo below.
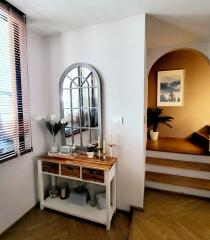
(81, 105)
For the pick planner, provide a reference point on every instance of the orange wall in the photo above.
(196, 110)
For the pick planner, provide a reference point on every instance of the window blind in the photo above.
(15, 131)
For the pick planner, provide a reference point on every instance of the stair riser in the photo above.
(178, 156)
(178, 180)
(178, 171)
(178, 164)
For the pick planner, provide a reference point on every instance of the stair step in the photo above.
(178, 164)
(175, 145)
(178, 180)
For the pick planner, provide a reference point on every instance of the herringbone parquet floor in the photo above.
(170, 216)
(50, 225)
(166, 217)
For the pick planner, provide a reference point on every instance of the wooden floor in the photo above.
(50, 225)
(175, 145)
(169, 216)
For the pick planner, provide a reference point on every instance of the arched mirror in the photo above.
(80, 105)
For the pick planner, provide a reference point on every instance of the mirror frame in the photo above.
(97, 76)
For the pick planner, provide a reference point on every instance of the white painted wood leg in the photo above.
(53, 181)
(40, 185)
(114, 197)
(108, 202)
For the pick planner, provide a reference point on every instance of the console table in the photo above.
(80, 168)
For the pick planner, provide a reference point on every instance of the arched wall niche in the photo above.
(156, 53)
(195, 113)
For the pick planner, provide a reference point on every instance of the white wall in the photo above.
(163, 37)
(17, 176)
(153, 54)
(116, 50)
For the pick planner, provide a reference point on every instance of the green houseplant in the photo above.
(91, 149)
(154, 119)
(53, 127)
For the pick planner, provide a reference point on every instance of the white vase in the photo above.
(154, 135)
(54, 147)
(90, 154)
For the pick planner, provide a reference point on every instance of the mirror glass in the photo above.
(80, 100)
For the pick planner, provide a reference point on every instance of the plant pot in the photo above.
(90, 154)
(154, 135)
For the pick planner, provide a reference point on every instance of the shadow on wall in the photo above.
(195, 112)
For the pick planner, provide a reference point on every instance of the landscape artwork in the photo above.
(170, 88)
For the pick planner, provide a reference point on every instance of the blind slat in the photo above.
(15, 131)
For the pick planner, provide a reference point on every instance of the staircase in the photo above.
(202, 138)
(183, 173)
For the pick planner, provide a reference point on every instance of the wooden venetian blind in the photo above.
(15, 132)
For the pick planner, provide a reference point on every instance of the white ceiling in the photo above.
(161, 31)
(48, 17)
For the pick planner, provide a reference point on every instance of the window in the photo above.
(15, 132)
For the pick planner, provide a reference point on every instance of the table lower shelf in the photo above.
(87, 212)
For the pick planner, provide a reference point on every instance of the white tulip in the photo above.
(53, 117)
(63, 121)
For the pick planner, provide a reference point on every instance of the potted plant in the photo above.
(53, 127)
(154, 119)
(91, 149)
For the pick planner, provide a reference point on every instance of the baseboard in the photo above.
(133, 207)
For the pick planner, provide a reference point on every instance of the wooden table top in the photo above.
(82, 161)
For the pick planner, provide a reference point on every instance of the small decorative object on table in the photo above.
(101, 200)
(91, 149)
(93, 190)
(99, 146)
(79, 196)
(53, 127)
(111, 146)
(104, 150)
(65, 150)
(53, 192)
(64, 190)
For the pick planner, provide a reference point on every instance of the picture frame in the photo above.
(170, 88)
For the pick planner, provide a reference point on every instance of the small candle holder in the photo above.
(99, 151)
(103, 156)
(111, 150)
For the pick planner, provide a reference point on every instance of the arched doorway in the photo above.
(195, 112)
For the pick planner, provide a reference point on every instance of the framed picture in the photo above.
(170, 88)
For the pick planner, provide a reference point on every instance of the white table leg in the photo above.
(40, 185)
(114, 197)
(108, 202)
(53, 181)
